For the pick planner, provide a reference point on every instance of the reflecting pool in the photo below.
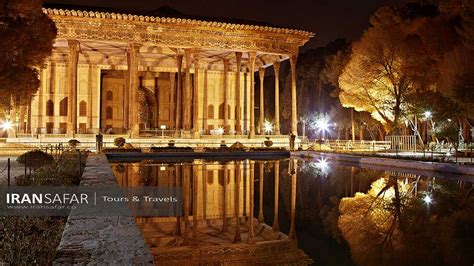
(305, 212)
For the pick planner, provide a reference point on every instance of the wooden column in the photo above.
(294, 108)
(251, 62)
(261, 74)
(196, 127)
(187, 92)
(276, 68)
(133, 51)
(226, 96)
(238, 114)
(172, 106)
(74, 48)
(204, 104)
(22, 118)
(179, 93)
(186, 193)
(13, 108)
(276, 226)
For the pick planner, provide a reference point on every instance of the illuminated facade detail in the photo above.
(134, 74)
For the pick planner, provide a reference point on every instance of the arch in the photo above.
(83, 108)
(50, 108)
(221, 111)
(109, 95)
(210, 111)
(210, 177)
(109, 112)
(63, 106)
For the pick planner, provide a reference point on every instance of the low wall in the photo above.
(104, 240)
(392, 162)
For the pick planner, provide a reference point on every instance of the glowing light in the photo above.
(427, 199)
(428, 114)
(6, 125)
(322, 123)
(268, 127)
(219, 131)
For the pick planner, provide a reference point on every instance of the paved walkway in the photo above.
(451, 158)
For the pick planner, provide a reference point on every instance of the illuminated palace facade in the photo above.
(120, 73)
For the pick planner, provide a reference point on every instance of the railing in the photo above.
(367, 145)
(402, 142)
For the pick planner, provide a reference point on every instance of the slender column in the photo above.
(74, 48)
(224, 204)
(237, 237)
(294, 128)
(226, 96)
(157, 107)
(292, 233)
(261, 167)
(204, 104)
(28, 123)
(133, 51)
(251, 234)
(276, 226)
(261, 74)
(196, 128)
(187, 91)
(13, 130)
(22, 118)
(252, 56)
(173, 100)
(276, 68)
(179, 93)
(238, 115)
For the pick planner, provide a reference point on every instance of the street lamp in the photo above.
(428, 115)
(6, 125)
(268, 127)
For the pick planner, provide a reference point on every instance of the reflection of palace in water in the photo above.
(217, 205)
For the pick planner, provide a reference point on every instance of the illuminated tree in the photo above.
(387, 64)
(27, 36)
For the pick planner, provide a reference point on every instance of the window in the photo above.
(110, 95)
(63, 104)
(210, 177)
(221, 111)
(50, 108)
(62, 128)
(83, 108)
(210, 111)
(109, 112)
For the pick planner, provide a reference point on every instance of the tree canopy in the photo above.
(27, 36)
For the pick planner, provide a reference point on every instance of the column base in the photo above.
(251, 135)
(70, 134)
(134, 132)
(196, 135)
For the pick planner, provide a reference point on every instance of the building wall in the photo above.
(54, 87)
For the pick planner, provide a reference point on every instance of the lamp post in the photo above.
(428, 115)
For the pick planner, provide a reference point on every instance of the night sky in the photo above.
(328, 19)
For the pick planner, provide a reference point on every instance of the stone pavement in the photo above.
(104, 240)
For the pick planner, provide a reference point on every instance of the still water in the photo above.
(305, 212)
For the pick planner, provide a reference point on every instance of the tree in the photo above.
(27, 35)
(389, 62)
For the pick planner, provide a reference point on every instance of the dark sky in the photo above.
(328, 19)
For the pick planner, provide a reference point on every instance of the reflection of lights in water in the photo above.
(319, 167)
(6, 125)
(427, 199)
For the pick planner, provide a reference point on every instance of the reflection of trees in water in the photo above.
(392, 225)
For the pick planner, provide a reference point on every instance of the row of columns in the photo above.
(183, 112)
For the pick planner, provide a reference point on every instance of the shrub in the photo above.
(119, 142)
(73, 143)
(35, 159)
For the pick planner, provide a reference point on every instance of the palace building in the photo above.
(126, 73)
